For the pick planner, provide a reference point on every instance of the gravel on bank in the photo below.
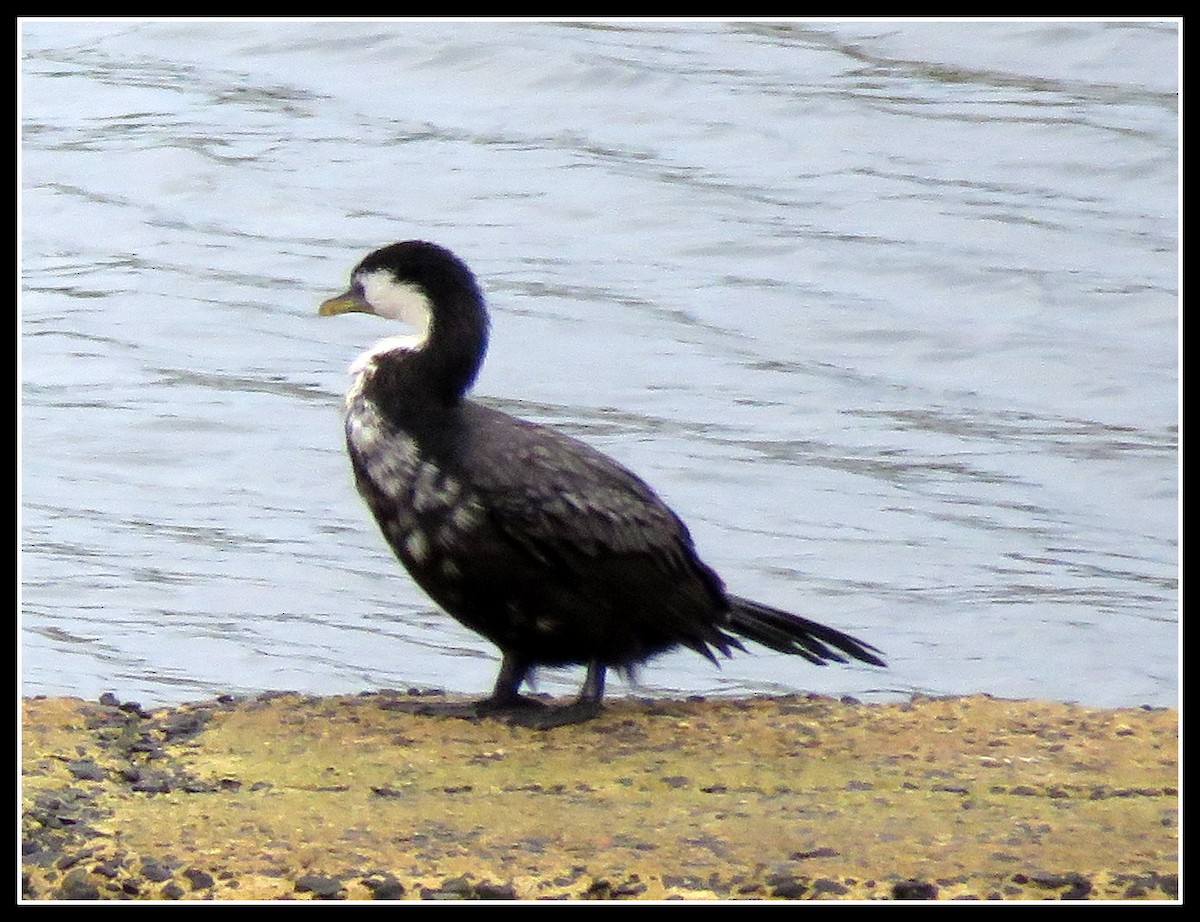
(292, 797)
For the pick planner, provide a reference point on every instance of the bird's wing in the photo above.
(596, 537)
(551, 491)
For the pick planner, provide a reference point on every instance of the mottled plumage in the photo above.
(542, 544)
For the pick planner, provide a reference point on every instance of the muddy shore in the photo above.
(291, 797)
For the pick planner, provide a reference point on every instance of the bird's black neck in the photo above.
(416, 382)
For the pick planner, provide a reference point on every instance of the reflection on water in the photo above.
(887, 311)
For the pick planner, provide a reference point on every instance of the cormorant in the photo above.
(545, 546)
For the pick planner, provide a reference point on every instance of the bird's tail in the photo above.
(790, 633)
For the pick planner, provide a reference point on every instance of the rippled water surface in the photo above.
(887, 311)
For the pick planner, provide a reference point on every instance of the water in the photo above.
(887, 311)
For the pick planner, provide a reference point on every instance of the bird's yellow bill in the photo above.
(344, 304)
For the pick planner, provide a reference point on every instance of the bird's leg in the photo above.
(506, 693)
(593, 683)
(585, 707)
(508, 704)
(504, 700)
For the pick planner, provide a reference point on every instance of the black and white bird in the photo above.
(547, 547)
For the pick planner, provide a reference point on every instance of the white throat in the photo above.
(391, 300)
(397, 300)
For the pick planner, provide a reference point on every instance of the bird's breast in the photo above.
(429, 517)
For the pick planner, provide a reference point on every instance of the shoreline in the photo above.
(287, 796)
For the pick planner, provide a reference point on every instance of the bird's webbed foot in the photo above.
(536, 715)
(508, 705)
(520, 711)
